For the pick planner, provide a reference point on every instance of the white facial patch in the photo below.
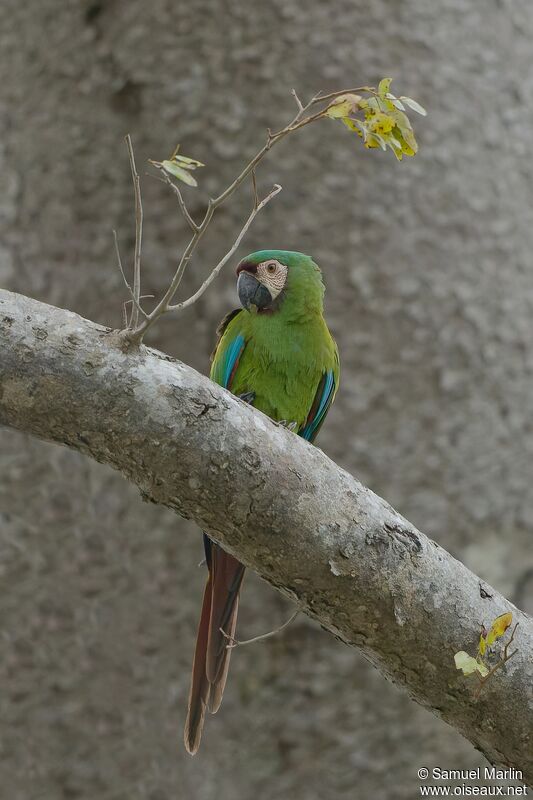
(273, 275)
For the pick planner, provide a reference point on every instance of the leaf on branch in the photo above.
(354, 125)
(414, 105)
(384, 86)
(396, 102)
(499, 626)
(180, 167)
(469, 665)
(178, 172)
(187, 163)
(483, 665)
(343, 106)
(385, 123)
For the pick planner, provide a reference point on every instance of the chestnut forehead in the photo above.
(247, 266)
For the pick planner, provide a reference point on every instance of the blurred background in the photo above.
(429, 280)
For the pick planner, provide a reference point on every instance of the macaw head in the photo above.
(272, 280)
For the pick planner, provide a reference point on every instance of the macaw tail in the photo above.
(211, 657)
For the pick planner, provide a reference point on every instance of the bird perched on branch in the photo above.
(277, 353)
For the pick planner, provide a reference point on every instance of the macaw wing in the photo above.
(227, 352)
(321, 404)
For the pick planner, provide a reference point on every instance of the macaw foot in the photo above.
(247, 397)
(291, 426)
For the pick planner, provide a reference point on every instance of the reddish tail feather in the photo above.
(211, 656)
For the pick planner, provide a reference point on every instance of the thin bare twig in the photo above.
(254, 188)
(322, 98)
(237, 643)
(298, 101)
(134, 319)
(127, 302)
(211, 277)
(130, 290)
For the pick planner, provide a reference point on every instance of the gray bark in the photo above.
(279, 504)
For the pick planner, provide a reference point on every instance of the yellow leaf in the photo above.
(372, 141)
(380, 123)
(384, 86)
(499, 626)
(343, 106)
(407, 146)
(482, 645)
(353, 125)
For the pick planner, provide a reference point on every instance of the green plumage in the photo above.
(279, 353)
(287, 351)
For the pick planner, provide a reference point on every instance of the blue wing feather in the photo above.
(325, 394)
(231, 357)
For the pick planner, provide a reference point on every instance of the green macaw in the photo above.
(277, 353)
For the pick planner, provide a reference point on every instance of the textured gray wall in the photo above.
(430, 294)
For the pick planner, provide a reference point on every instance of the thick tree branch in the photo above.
(280, 505)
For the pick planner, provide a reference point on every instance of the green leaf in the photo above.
(407, 149)
(381, 123)
(414, 105)
(343, 105)
(353, 124)
(178, 172)
(482, 669)
(469, 665)
(395, 101)
(187, 163)
(402, 120)
(385, 104)
(384, 86)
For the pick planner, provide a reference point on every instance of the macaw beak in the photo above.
(251, 292)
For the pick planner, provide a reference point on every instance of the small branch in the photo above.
(175, 188)
(209, 280)
(322, 98)
(237, 643)
(134, 320)
(254, 188)
(163, 305)
(130, 290)
(297, 99)
(126, 303)
(300, 120)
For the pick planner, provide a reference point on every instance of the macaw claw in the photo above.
(247, 397)
(291, 426)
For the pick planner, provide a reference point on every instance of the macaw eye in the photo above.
(272, 267)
